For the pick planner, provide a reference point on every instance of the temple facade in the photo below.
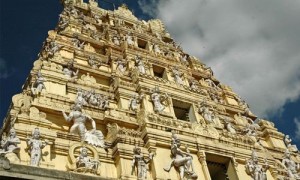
(114, 97)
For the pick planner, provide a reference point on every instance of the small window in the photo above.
(183, 111)
(220, 167)
(158, 71)
(142, 44)
(129, 25)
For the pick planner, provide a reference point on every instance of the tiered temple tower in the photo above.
(113, 97)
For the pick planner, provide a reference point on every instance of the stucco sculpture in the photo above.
(182, 161)
(256, 171)
(36, 145)
(94, 137)
(139, 162)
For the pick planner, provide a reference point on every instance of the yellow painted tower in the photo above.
(114, 97)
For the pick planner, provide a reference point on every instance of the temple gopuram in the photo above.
(114, 97)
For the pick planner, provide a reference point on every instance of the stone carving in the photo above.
(23, 101)
(160, 101)
(140, 163)
(250, 129)
(182, 161)
(135, 101)
(291, 167)
(9, 144)
(229, 127)
(208, 115)
(87, 79)
(194, 85)
(38, 85)
(156, 50)
(140, 64)
(178, 76)
(121, 66)
(256, 171)
(129, 40)
(62, 24)
(90, 97)
(36, 145)
(76, 43)
(116, 40)
(97, 18)
(288, 143)
(51, 48)
(94, 137)
(70, 72)
(86, 163)
(83, 163)
(93, 62)
(183, 59)
(95, 35)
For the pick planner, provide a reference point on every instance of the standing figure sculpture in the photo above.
(134, 101)
(140, 163)
(129, 40)
(181, 160)
(51, 48)
(86, 163)
(256, 171)
(291, 167)
(36, 146)
(205, 112)
(158, 100)
(140, 64)
(69, 71)
(94, 137)
(177, 76)
(121, 66)
(38, 85)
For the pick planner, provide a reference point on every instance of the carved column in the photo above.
(202, 159)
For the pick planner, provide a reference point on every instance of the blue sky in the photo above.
(252, 46)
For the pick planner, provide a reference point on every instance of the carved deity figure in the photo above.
(77, 44)
(182, 161)
(250, 129)
(51, 48)
(10, 143)
(83, 161)
(158, 100)
(229, 127)
(140, 163)
(135, 101)
(288, 143)
(38, 85)
(129, 40)
(183, 59)
(140, 64)
(62, 23)
(69, 71)
(206, 113)
(93, 63)
(94, 137)
(116, 40)
(256, 171)
(36, 145)
(291, 167)
(156, 49)
(178, 76)
(121, 66)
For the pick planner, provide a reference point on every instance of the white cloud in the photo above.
(297, 132)
(253, 46)
(4, 72)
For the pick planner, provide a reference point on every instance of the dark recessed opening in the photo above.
(142, 44)
(181, 110)
(158, 71)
